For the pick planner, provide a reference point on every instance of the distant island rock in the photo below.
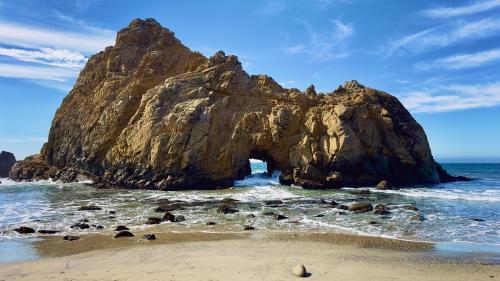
(150, 113)
(7, 160)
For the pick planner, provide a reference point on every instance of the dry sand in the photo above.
(246, 256)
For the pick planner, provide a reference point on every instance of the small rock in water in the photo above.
(24, 230)
(299, 270)
(89, 208)
(319, 215)
(169, 217)
(361, 207)
(45, 231)
(410, 207)
(80, 225)
(226, 209)
(279, 217)
(248, 227)
(417, 217)
(477, 219)
(167, 208)
(123, 233)
(179, 218)
(149, 237)
(250, 216)
(333, 203)
(381, 209)
(121, 227)
(373, 222)
(112, 212)
(153, 221)
(343, 207)
(71, 238)
(211, 223)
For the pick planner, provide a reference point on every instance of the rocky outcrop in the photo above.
(150, 113)
(7, 160)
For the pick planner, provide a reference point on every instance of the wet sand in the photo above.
(251, 255)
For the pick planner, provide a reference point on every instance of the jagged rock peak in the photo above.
(150, 113)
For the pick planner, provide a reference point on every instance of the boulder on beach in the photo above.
(80, 225)
(211, 223)
(179, 218)
(248, 227)
(168, 217)
(299, 270)
(279, 217)
(47, 231)
(149, 237)
(7, 160)
(123, 233)
(149, 113)
(71, 238)
(121, 227)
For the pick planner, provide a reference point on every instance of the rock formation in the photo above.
(7, 160)
(150, 113)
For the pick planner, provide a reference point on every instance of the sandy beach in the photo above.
(244, 256)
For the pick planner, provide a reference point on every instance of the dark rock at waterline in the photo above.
(179, 218)
(121, 227)
(268, 213)
(279, 217)
(112, 212)
(89, 208)
(410, 208)
(123, 233)
(154, 221)
(80, 225)
(226, 209)
(211, 223)
(273, 202)
(383, 185)
(374, 222)
(417, 217)
(381, 209)
(333, 203)
(71, 238)
(319, 215)
(248, 227)
(361, 207)
(167, 208)
(149, 237)
(343, 207)
(7, 160)
(84, 220)
(477, 219)
(250, 216)
(24, 230)
(112, 217)
(168, 217)
(97, 226)
(46, 231)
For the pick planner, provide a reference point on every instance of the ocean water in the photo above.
(460, 213)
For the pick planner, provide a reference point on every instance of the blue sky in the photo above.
(440, 58)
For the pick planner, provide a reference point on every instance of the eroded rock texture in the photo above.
(150, 113)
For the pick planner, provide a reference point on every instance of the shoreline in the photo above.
(255, 255)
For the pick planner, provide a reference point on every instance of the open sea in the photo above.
(460, 216)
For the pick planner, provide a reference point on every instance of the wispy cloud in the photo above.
(452, 97)
(287, 83)
(473, 8)
(325, 46)
(37, 72)
(35, 37)
(442, 36)
(462, 61)
(47, 56)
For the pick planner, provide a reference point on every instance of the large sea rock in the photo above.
(150, 113)
(7, 160)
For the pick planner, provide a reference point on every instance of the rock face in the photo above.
(150, 113)
(7, 160)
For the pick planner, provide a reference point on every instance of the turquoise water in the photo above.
(461, 213)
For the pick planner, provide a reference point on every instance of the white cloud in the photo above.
(474, 8)
(453, 97)
(442, 36)
(58, 74)
(286, 83)
(35, 37)
(324, 46)
(462, 61)
(47, 56)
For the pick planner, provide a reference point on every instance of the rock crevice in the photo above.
(150, 113)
